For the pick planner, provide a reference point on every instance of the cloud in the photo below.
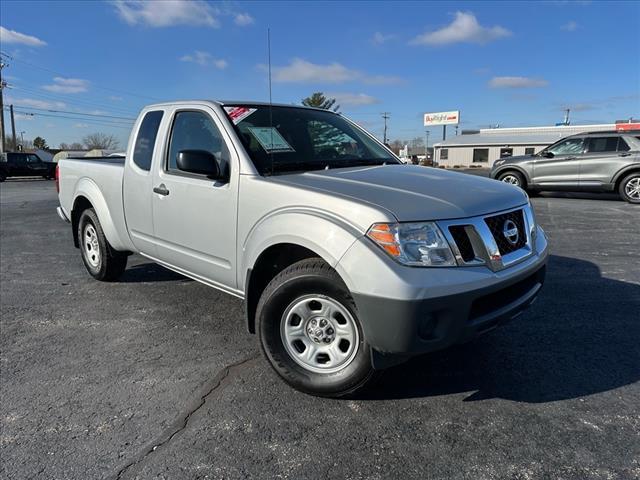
(302, 71)
(67, 85)
(115, 98)
(80, 125)
(167, 13)
(353, 99)
(243, 19)
(11, 36)
(32, 102)
(517, 82)
(570, 26)
(463, 29)
(380, 38)
(205, 59)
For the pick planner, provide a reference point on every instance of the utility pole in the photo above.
(13, 126)
(426, 144)
(2, 85)
(385, 115)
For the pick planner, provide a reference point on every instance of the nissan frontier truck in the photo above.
(347, 260)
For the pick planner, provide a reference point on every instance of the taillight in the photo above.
(58, 177)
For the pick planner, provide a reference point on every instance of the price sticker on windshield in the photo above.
(270, 139)
(237, 114)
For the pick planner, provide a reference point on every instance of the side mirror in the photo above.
(548, 155)
(200, 162)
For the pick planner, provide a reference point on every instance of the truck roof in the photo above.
(235, 102)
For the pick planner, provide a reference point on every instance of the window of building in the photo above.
(529, 150)
(196, 131)
(602, 144)
(143, 150)
(480, 155)
(623, 146)
(506, 152)
(444, 154)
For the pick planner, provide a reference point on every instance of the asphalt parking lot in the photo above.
(155, 376)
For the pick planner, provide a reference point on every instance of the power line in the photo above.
(90, 120)
(124, 92)
(57, 98)
(75, 113)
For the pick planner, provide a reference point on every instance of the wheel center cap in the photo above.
(321, 330)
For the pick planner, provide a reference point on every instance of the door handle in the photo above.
(161, 190)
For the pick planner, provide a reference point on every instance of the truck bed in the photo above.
(99, 180)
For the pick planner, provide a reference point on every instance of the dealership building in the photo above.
(485, 146)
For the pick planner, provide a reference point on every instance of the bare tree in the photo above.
(100, 141)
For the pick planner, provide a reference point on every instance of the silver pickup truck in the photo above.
(347, 260)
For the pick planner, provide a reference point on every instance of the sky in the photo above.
(95, 64)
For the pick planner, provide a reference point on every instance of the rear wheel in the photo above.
(3, 176)
(100, 259)
(310, 332)
(630, 188)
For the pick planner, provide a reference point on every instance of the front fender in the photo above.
(322, 232)
(88, 189)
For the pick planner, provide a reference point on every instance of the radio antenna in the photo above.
(270, 98)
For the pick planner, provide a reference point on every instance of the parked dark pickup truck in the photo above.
(22, 164)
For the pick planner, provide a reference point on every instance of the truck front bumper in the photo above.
(422, 310)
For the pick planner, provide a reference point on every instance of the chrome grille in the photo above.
(496, 225)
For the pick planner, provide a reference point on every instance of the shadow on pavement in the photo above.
(580, 338)
(150, 272)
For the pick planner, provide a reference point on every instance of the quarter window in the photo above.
(444, 154)
(603, 144)
(143, 150)
(480, 155)
(196, 131)
(623, 146)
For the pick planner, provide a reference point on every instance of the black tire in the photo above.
(626, 187)
(100, 259)
(295, 284)
(3, 176)
(513, 178)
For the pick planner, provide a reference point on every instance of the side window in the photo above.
(143, 150)
(444, 154)
(529, 150)
(196, 131)
(33, 158)
(567, 147)
(623, 146)
(603, 144)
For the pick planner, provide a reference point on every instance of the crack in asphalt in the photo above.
(179, 425)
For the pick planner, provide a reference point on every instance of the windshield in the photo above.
(291, 139)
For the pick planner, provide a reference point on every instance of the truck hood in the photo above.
(413, 193)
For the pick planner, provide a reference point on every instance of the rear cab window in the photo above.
(146, 140)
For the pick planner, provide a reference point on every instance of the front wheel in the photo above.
(310, 332)
(100, 259)
(513, 178)
(630, 188)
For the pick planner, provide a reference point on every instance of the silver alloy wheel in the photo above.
(511, 180)
(632, 188)
(319, 334)
(91, 245)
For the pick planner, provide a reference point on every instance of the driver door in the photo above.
(194, 217)
(561, 168)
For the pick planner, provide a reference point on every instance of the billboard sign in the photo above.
(442, 118)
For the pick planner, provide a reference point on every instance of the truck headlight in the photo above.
(416, 244)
